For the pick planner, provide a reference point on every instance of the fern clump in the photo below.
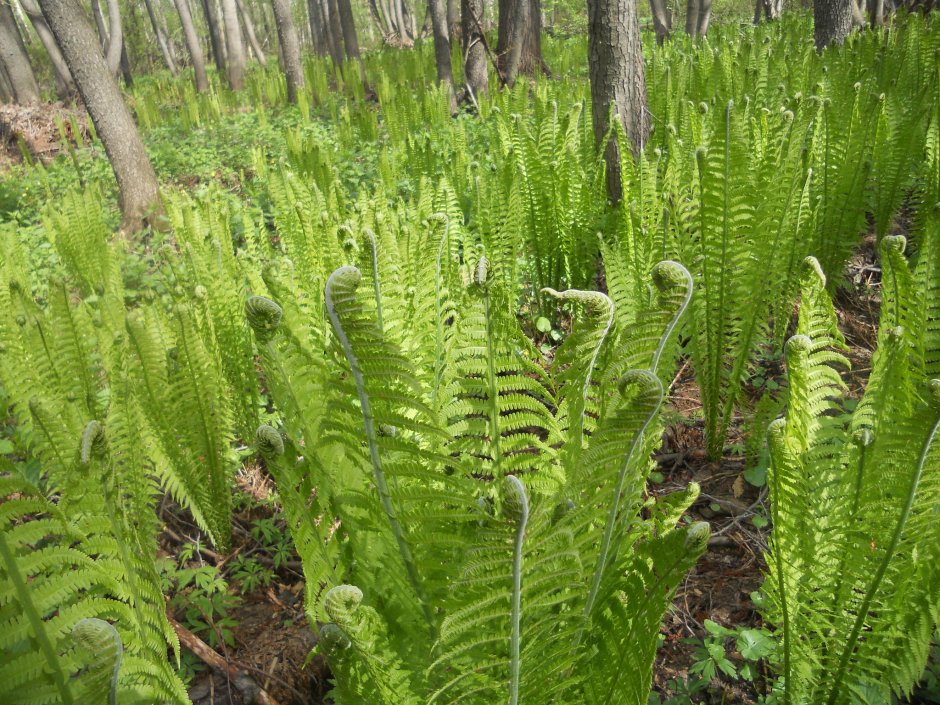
(853, 566)
(469, 563)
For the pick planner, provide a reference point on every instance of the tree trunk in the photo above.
(161, 39)
(193, 45)
(691, 17)
(335, 32)
(321, 43)
(290, 48)
(618, 82)
(65, 86)
(235, 59)
(215, 35)
(126, 66)
(250, 32)
(6, 90)
(348, 24)
(137, 184)
(662, 20)
(832, 22)
(453, 20)
(474, 48)
(519, 31)
(876, 12)
(15, 59)
(439, 26)
(380, 21)
(704, 17)
(115, 38)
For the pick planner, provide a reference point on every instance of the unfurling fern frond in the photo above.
(852, 572)
(357, 646)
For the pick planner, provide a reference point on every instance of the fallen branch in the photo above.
(251, 692)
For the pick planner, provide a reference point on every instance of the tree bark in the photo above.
(321, 43)
(6, 90)
(335, 31)
(65, 86)
(453, 19)
(138, 192)
(618, 81)
(15, 59)
(519, 38)
(704, 17)
(832, 22)
(235, 59)
(193, 45)
(662, 20)
(474, 48)
(250, 32)
(348, 24)
(437, 10)
(126, 66)
(115, 38)
(161, 39)
(290, 48)
(215, 35)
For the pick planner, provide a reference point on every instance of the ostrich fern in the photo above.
(481, 568)
(853, 580)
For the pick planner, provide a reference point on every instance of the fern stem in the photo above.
(36, 622)
(439, 330)
(781, 583)
(521, 518)
(667, 333)
(377, 472)
(885, 561)
(602, 557)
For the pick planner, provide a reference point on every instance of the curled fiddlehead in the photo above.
(103, 643)
(264, 316)
(269, 441)
(93, 441)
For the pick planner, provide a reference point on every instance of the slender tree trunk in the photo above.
(662, 20)
(474, 48)
(380, 21)
(126, 66)
(215, 35)
(137, 184)
(453, 20)
(250, 33)
(6, 90)
(235, 60)
(321, 44)
(704, 17)
(876, 12)
(520, 21)
(290, 48)
(348, 24)
(65, 86)
(335, 32)
(618, 82)
(437, 10)
(161, 39)
(193, 45)
(691, 17)
(115, 38)
(832, 22)
(15, 59)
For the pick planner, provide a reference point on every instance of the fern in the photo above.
(850, 498)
